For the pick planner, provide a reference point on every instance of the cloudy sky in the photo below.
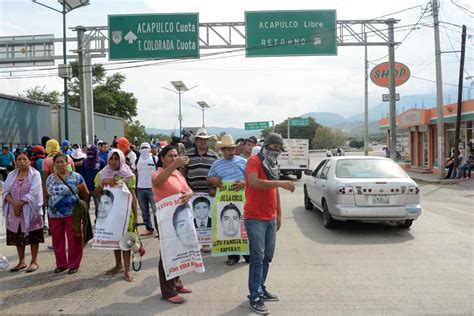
(257, 89)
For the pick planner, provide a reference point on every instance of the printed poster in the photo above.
(178, 240)
(202, 211)
(113, 215)
(228, 230)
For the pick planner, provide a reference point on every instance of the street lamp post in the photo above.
(67, 6)
(180, 89)
(204, 106)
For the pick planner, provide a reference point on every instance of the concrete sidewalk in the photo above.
(435, 179)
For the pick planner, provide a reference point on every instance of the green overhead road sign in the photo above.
(150, 36)
(290, 33)
(299, 121)
(256, 125)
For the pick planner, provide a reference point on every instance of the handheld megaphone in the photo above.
(129, 241)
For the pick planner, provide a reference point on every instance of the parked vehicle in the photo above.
(370, 189)
(295, 157)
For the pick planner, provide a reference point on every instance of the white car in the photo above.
(372, 189)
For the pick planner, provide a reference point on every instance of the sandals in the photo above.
(146, 233)
(185, 290)
(176, 299)
(114, 271)
(128, 278)
(32, 268)
(18, 268)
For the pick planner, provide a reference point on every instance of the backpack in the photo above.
(155, 162)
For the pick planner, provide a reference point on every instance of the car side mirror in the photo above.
(308, 172)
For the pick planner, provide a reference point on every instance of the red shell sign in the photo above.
(379, 74)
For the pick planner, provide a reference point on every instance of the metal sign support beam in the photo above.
(225, 35)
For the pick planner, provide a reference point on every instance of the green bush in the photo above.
(356, 143)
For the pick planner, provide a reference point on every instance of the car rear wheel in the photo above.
(405, 224)
(328, 221)
(307, 202)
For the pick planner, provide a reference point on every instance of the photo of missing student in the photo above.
(113, 215)
(202, 208)
(229, 221)
(178, 240)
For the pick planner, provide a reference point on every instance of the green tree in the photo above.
(135, 128)
(298, 132)
(340, 138)
(356, 143)
(107, 93)
(327, 137)
(38, 93)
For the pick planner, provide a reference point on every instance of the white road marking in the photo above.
(459, 211)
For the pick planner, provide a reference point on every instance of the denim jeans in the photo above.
(261, 236)
(145, 197)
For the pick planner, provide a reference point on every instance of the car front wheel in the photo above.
(307, 202)
(328, 221)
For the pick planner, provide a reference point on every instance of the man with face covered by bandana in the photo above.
(90, 167)
(262, 214)
(144, 167)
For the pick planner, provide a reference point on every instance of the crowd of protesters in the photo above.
(45, 182)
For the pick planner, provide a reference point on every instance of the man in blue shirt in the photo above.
(228, 168)
(7, 160)
(103, 150)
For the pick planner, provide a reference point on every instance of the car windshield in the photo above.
(368, 168)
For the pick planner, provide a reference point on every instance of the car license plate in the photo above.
(381, 199)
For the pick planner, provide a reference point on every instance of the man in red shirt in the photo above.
(262, 214)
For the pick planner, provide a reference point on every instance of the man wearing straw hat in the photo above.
(200, 161)
(228, 168)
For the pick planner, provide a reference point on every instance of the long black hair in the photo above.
(163, 153)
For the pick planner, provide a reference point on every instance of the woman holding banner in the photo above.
(167, 181)
(118, 173)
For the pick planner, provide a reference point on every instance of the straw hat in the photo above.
(200, 133)
(227, 141)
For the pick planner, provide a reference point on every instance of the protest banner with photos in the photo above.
(228, 230)
(202, 211)
(113, 215)
(178, 241)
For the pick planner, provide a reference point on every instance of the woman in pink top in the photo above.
(167, 181)
(22, 207)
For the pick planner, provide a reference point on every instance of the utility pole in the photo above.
(391, 73)
(366, 101)
(439, 92)
(461, 72)
(85, 86)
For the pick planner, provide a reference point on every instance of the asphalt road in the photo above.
(355, 269)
